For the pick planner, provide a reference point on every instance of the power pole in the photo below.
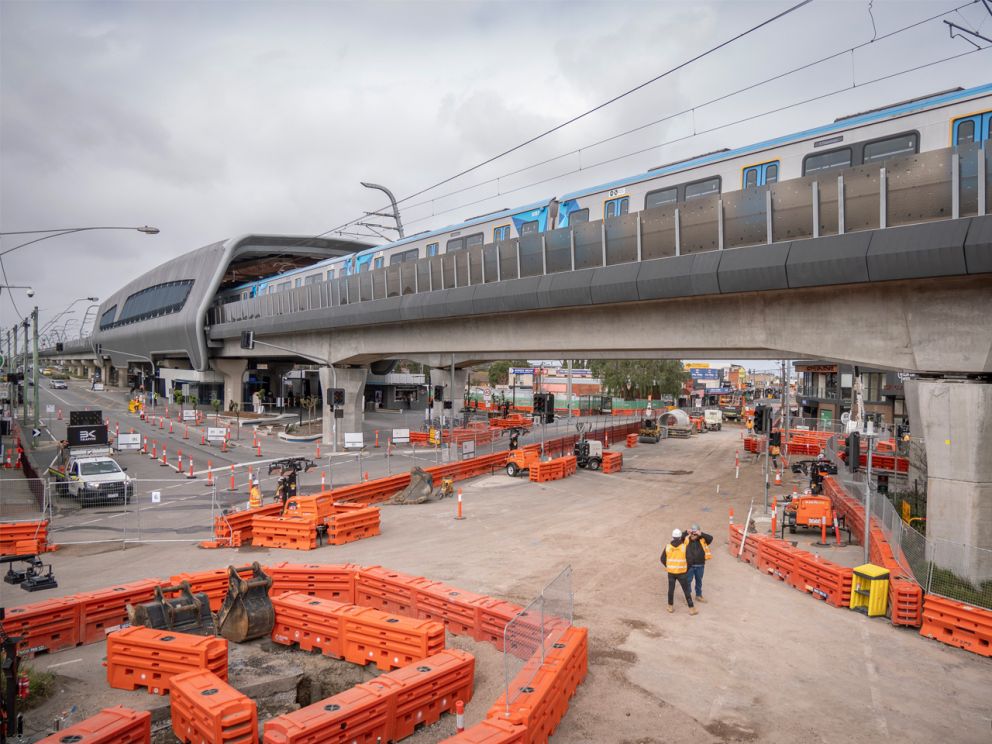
(34, 372)
(25, 368)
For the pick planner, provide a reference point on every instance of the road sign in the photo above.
(128, 442)
(434, 436)
(354, 441)
(189, 414)
(216, 433)
(401, 436)
(50, 408)
(35, 433)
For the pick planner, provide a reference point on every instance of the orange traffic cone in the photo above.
(778, 477)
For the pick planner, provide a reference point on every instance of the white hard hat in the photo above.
(676, 533)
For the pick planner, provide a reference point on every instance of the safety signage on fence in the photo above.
(189, 414)
(128, 442)
(354, 441)
(216, 433)
(468, 449)
(156, 497)
(434, 436)
(401, 436)
(49, 408)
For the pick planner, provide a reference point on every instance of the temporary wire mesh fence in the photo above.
(949, 569)
(529, 635)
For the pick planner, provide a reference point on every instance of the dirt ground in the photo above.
(760, 662)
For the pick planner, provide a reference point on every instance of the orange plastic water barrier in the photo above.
(234, 528)
(24, 538)
(207, 710)
(49, 625)
(212, 582)
(118, 725)
(550, 470)
(293, 532)
(612, 462)
(957, 624)
(335, 582)
(388, 708)
(358, 634)
(142, 657)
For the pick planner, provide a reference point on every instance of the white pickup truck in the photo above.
(92, 478)
(713, 419)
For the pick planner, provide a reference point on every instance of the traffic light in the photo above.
(59, 346)
(337, 397)
(539, 402)
(438, 393)
(248, 340)
(549, 408)
(853, 451)
(762, 419)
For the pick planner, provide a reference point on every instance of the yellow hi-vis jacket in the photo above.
(675, 558)
(706, 548)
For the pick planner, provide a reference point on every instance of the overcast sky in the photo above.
(214, 119)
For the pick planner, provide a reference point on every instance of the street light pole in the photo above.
(34, 372)
(67, 231)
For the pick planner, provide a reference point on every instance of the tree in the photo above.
(216, 405)
(499, 372)
(638, 378)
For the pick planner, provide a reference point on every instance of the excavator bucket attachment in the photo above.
(187, 613)
(247, 611)
(419, 491)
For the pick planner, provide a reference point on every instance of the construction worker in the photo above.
(774, 451)
(673, 559)
(697, 552)
(817, 470)
(514, 439)
(254, 495)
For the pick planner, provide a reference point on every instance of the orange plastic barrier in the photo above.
(632, 440)
(142, 657)
(752, 444)
(777, 558)
(350, 522)
(957, 624)
(491, 731)
(550, 470)
(387, 590)
(612, 462)
(492, 615)
(235, 528)
(456, 609)
(117, 725)
(388, 708)
(373, 491)
(821, 578)
(104, 609)
(750, 554)
(213, 583)
(50, 625)
(317, 507)
(207, 710)
(335, 582)
(24, 538)
(292, 532)
(358, 634)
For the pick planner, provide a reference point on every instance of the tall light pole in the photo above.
(57, 232)
(68, 308)
(86, 314)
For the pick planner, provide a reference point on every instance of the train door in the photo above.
(616, 207)
(760, 174)
(972, 129)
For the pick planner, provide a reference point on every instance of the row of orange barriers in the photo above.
(612, 462)
(551, 470)
(234, 529)
(801, 569)
(351, 522)
(117, 725)
(388, 708)
(357, 634)
(144, 657)
(295, 532)
(207, 709)
(957, 624)
(632, 440)
(24, 538)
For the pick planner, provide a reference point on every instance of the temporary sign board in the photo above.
(189, 414)
(98, 386)
(434, 436)
(216, 433)
(468, 449)
(49, 408)
(354, 441)
(401, 436)
(156, 497)
(86, 436)
(85, 418)
(128, 442)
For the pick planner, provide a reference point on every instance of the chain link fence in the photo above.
(529, 635)
(939, 566)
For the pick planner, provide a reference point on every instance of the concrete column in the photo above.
(233, 371)
(917, 463)
(454, 393)
(352, 381)
(105, 368)
(957, 425)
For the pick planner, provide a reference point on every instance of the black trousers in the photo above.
(682, 580)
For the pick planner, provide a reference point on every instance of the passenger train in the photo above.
(946, 119)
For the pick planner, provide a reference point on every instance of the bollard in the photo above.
(223, 445)
(365, 479)
(203, 438)
(323, 486)
(318, 451)
(154, 454)
(731, 515)
(190, 476)
(250, 478)
(144, 446)
(170, 426)
(823, 532)
(839, 544)
(161, 422)
(258, 452)
(164, 459)
(459, 716)
(60, 414)
(232, 487)
(778, 477)
(377, 439)
(460, 516)
(774, 516)
(737, 464)
(179, 468)
(228, 434)
(186, 431)
(210, 474)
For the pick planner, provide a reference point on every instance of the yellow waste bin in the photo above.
(870, 590)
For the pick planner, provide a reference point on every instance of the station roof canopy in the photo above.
(276, 254)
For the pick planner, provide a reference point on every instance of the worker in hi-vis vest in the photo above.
(674, 560)
(697, 552)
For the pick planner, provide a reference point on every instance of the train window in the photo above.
(528, 228)
(398, 258)
(377, 262)
(760, 174)
(822, 161)
(473, 240)
(455, 244)
(298, 282)
(900, 145)
(330, 274)
(501, 233)
(432, 249)
(616, 207)
(313, 279)
(702, 188)
(964, 132)
(750, 177)
(662, 196)
(284, 286)
(771, 173)
(580, 215)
